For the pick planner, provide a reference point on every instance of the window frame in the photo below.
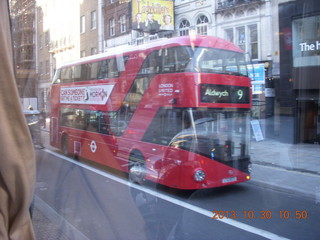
(112, 27)
(123, 23)
(93, 20)
(82, 24)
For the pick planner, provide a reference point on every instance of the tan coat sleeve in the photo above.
(17, 160)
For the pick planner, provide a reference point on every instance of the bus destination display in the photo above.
(212, 93)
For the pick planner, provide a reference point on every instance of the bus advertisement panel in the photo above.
(152, 16)
(176, 113)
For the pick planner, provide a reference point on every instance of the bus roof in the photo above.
(195, 40)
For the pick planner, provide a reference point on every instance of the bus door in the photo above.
(165, 159)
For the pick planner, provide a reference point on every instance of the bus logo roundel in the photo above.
(93, 146)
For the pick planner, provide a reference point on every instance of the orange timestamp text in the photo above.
(264, 214)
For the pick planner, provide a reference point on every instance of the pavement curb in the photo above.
(288, 190)
(301, 184)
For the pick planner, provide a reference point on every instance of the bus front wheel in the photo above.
(137, 167)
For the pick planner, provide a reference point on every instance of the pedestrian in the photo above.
(43, 116)
(17, 165)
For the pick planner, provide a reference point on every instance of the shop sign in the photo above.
(256, 72)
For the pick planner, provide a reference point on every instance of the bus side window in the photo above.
(66, 74)
(118, 121)
(76, 73)
(57, 77)
(67, 117)
(112, 68)
(103, 73)
(79, 119)
(84, 72)
(169, 61)
(93, 70)
(175, 59)
(103, 124)
(151, 64)
(108, 69)
(183, 58)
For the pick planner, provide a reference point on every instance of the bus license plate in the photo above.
(228, 180)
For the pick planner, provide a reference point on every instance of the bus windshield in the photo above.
(203, 59)
(210, 60)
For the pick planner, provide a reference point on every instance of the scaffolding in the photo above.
(23, 31)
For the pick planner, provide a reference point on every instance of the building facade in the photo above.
(91, 28)
(62, 35)
(117, 23)
(273, 45)
(24, 49)
(299, 68)
(196, 16)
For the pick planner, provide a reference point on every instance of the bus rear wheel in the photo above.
(137, 167)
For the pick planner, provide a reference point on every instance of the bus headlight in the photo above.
(199, 175)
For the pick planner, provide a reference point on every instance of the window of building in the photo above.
(40, 15)
(93, 51)
(241, 38)
(82, 24)
(229, 34)
(251, 12)
(123, 24)
(239, 14)
(40, 68)
(168, 35)
(93, 20)
(40, 41)
(47, 67)
(112, 27)
(47, 38)
(83, 53)
(202, 25)
(228, 16)
(253, 41)
(246, 37)
(184, 27)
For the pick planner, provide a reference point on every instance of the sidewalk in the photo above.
(290, 168)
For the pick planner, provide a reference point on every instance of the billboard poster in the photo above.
(86, 94)
(152, 16)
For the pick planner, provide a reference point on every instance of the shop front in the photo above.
(300, 67)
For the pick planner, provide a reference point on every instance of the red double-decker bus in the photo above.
(173, 111)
